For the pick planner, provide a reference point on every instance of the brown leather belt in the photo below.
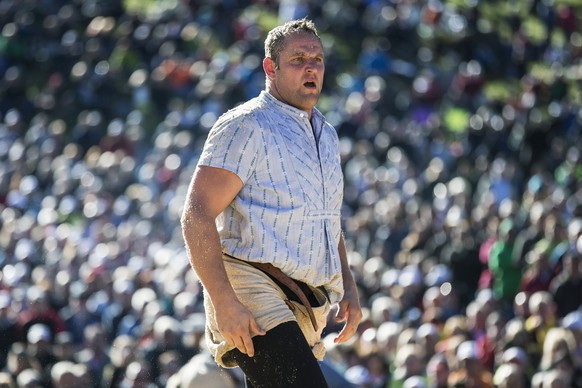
(276, 273)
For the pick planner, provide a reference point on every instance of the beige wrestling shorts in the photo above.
(269, 306)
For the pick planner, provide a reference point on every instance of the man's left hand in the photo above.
(349, 310)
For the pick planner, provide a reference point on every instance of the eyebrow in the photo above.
(303, 53)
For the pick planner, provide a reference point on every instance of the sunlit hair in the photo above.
(276, 37)
(559, 344)
(538, 299)
(408, 360)
(507, 375)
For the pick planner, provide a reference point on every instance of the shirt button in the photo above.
(302, 115)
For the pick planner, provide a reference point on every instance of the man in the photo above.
(267, 193)
(470, 371)
(437, 371)
(539, 274)
(567, 286)
(504, 266)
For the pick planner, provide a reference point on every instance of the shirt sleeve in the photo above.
(233, 145)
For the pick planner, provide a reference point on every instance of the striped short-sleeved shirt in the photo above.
(288, 211)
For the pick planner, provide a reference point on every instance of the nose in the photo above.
(313, 64)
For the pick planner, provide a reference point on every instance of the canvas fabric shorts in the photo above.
(270, 307)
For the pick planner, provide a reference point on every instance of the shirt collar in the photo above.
(316, 115)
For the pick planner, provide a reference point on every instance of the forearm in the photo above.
(349, 307)
(205, 255)
(347, 276)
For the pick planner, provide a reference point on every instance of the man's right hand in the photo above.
(237, 325)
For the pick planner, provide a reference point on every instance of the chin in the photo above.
(310, 97)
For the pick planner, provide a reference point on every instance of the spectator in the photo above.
(504, 266)
(76, 315)
(532, 230)
(30, 378)
(566, 288)
(201, 372)
(40, 346)
(414, 382)
(560, 353)
(138, 375)
(119, 306)
(553, 378)
(521, 369)
(509, 375)
(540, 272)
(542, 318)
(8, 327)
(470, 372)
(19, 360)
(489, 344)
(573, 322)
(447, 130)
(68, 374)
(64, 347)
(6, 381)
(462, 257)
(516, 335)
(94, 354)
(521, 305)
(408, 363)
(122, 352)
(167, 337)
(437, 372)
(476, 320)
(427, 336)
(39, 311)
(169, 364)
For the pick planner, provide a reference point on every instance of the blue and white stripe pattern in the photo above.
(288, 211)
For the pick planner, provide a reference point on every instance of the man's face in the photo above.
(297, 76)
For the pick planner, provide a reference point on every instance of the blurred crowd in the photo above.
(459, 123)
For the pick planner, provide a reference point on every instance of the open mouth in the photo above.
(310, 85)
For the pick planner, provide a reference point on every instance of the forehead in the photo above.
(302, 42)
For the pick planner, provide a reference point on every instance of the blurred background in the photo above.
(459, 125)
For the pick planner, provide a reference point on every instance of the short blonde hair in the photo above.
(275, 40)
(555, 337)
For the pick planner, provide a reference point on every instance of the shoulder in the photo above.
(237, 124)
(558, 283)
(243, 113)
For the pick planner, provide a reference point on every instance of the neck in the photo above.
(273, 92)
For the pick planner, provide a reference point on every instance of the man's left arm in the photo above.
(349, 309)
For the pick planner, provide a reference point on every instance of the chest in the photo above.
(300, 160)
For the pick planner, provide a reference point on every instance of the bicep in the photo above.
(211, 191)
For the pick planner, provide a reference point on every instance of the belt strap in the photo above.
(276, 273)
(286, 280)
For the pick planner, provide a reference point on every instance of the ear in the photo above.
(269, 67)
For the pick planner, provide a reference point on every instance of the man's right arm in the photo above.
(211, 191)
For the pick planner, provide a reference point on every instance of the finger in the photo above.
(351, 326)
(239, 344)
(346, 333)
(341, 313)
(342, 337)
(248, 345)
